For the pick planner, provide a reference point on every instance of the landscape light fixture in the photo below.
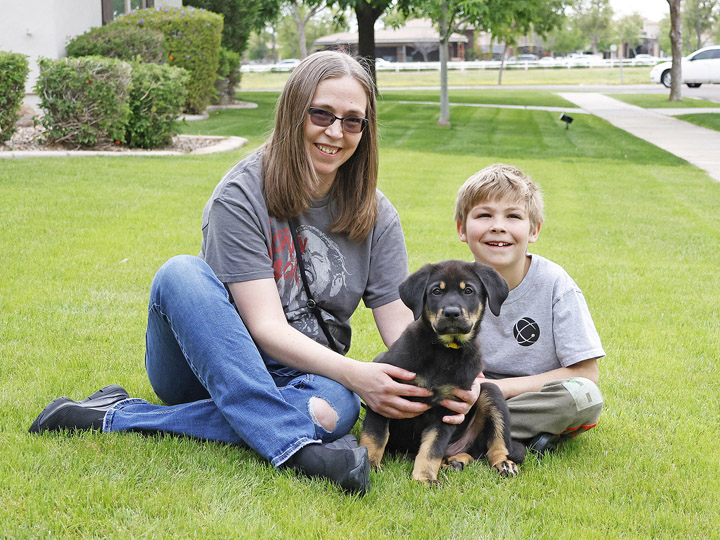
(567, 119)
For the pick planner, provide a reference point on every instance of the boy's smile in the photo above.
(498, 233)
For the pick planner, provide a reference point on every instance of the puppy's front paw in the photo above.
(506, 467)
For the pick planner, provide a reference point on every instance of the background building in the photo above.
(416, 41)
(42, 28)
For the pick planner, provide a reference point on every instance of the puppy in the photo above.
(448, 300)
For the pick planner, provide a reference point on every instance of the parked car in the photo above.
(575, 59)
(527, 57)
(644, 60)
(702, 66)
(286, 65)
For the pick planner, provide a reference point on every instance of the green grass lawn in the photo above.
(415, 79)
(660, 101)
(710, 121)
(504, 96)
(637, 228)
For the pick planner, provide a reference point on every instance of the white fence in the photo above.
(545, 63)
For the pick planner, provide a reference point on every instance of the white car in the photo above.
(286, 65)
(644, 60)
(702, 66)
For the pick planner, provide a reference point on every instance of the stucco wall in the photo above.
(41, 28)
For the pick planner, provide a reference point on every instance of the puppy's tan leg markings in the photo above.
(497, 454)
(426, 465)
(376, 448)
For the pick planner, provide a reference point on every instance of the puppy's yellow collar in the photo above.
(452, 345)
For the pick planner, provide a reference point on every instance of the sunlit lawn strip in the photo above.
(639, 75)
(710, 121)
(661, 101)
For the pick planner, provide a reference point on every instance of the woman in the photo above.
(267, 378)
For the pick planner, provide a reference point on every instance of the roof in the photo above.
(415, 31)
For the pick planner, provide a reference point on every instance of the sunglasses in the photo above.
(323, 118)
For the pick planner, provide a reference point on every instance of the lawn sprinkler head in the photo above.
(567, 119)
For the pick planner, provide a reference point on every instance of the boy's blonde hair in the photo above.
(500, 181)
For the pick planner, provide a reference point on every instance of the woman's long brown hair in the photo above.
(289, 179)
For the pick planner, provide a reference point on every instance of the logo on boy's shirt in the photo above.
(526, 331)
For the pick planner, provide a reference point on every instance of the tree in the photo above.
(425, 48)
(241, 18)
(628, 30)
(664, 35)
(367, 13)
(676, 43)
(594, 19)
(699, 18)
(258, 48)
(566, 38)
(506, 19)
(300, 27)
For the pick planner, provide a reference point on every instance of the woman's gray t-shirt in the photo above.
(242, 242)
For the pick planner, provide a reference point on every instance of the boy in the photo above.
(542, 350)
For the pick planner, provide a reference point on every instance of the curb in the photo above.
(224, 144)
(206, 113)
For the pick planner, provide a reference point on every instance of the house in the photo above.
(418, 40)
(41, 28)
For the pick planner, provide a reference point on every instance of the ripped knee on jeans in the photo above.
(323, 414)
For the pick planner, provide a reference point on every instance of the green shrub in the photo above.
(14, 69)
(192, 41)
(228, 76)
(120, 41)
(85, 99)
(156, 100)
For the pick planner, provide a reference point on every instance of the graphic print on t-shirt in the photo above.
(526, 331)
(325, 273)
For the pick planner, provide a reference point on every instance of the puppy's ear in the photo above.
(495, 285)
(412, 290)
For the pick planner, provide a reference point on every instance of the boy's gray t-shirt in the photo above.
(242, 242)
(543, 325)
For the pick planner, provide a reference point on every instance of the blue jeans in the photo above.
(202, 362)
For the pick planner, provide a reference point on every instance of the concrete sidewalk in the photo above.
(698, 145)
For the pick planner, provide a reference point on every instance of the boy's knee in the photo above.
(323, 414)
(585, 393)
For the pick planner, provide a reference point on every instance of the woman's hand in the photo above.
(375, 383)
(465, 400)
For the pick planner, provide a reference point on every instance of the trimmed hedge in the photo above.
(228, 76)
(14, 69)
(85, 99)
(122, 42)
(192, 41)
(156, 100)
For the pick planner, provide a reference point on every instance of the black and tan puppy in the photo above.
(448, 300)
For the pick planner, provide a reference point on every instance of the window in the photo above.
(115, 8)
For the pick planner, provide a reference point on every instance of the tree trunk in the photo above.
(300, 25)
(502, 64)
(366, 16)
(444, 96)
(676, 42)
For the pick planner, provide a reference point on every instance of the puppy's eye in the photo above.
(436, 291)
(469, 290)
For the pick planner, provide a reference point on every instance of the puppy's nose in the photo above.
(452, 312)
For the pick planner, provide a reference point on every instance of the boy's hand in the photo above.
(464, 402)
